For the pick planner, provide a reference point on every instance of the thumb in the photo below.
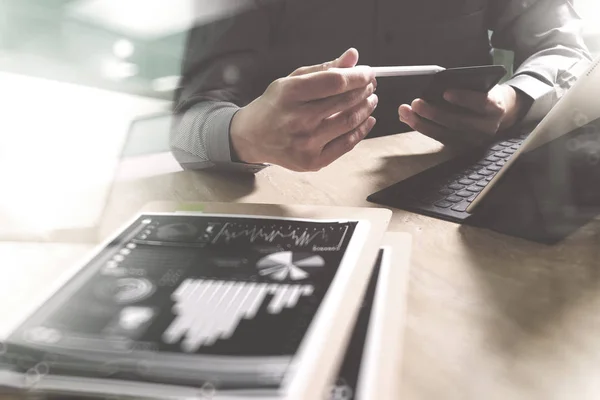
(347, 60)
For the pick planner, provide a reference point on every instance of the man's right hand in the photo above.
(310, 118)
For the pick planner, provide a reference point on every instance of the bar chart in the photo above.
(208, 310)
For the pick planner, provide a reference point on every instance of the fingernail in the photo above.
(371, 124)
(448, 96)
(403, 114)
(376, 101)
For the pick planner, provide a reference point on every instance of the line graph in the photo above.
(296, 236)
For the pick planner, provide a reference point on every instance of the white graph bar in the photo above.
(188, 295)
(307, 290)
(195, 301)
(292, 299)
(179, 293)
(208, 310)
(276, 304)
(231, 311)
(241, 311)
(286, 296)
(221, 317)
(195, 313)
(205, 330)
(257, 301)
(179, 327)
(199, 317)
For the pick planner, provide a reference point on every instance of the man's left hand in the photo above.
(479, 116)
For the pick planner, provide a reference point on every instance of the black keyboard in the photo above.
(448, 189)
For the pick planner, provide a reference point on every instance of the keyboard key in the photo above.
(446, 192)
(507, 144)
(502, 154)
(515, 140)
(501, 163)
(482, 183)
(494, 168)
(443, 204)
(464, 193)
(515, 147)
(475, 189)
(462, 207)
(466, 182)
(456, 186)
(472, 197)
(497, 148)
(484, 163)
(509, 150)
(454, 199)
(489, 178)
(485, 172)
(475, 177)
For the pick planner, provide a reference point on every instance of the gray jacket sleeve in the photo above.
(546, 37)
(219, 71)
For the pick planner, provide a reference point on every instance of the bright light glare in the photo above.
(166, 83)
(590, 12)
(123, 48)
(118, 70)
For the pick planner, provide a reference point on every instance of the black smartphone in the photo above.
(401, 85)
(479, 79)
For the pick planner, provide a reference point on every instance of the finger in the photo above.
(324, 108)
(347, 120)
(467, 124)
(478, 102)
(347, 60)
(343, 144)
(427, 128)
(319, 85)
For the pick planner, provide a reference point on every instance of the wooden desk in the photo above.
(489, 316)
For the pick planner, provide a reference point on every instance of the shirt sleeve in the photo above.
(546, 38)
(220, 63)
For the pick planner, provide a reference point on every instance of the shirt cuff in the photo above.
(218, 144)
(543, 96)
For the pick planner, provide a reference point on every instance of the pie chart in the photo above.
(288, 265)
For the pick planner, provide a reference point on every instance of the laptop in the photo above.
(455, 189)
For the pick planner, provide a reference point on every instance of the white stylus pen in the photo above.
(407, 71)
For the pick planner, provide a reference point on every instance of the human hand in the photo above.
(477, 117)
(310, 118)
